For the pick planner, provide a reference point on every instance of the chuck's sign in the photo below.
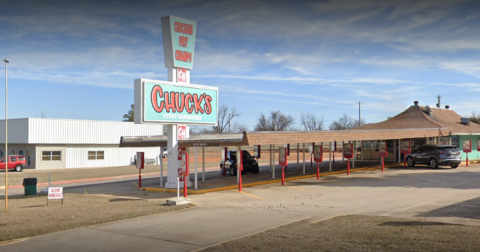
(178, 41)
(174, 103)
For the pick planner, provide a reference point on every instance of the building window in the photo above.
(51, 155)
(96, 155)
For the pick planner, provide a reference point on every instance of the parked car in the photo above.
(15, 162)
(165, 152)
(435, 155)
(249, 163)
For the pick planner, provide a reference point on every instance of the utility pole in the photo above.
(438, 104)
(229, 119)
(6, 138)
(359, 118)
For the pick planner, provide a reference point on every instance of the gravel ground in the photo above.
(30, 216)
(360, 233)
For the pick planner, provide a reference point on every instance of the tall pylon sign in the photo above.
(176, 102)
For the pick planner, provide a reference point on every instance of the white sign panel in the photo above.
(55, 193)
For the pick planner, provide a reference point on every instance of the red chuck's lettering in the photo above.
(178, 101)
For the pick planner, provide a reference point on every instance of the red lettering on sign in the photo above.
(208, 106)
(183, 28)
(169, 101)
(189, 101)
(178, 101)
(157, 92)
(183, 56)
(197, 101)
(182, 41)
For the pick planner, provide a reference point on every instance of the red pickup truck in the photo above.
(15, 162)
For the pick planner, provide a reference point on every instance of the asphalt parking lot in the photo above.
(441, 195)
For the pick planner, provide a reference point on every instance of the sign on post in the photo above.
(175, 103)
(181, 132)
(178, 41)
(181, 151)
(382, 149)
(140, 162)
(467, 145)
(478, 145)
(282, 156)
(55, 193)
(405, 147)
(257, 151)
(317, 153)
(348, 150)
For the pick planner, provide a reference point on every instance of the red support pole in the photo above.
(383, 164)
(467, 158)
(139, 177)
(185, 177)
(318, 172)
(283, 175)
(348, 166)
(240, 172)
(333, 162)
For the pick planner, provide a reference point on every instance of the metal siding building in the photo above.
(63, 143)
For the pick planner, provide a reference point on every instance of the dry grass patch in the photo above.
(360, 233)
(30, 216)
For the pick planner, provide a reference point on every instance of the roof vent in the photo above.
(416, 103)
(447, 107)
(465, 121)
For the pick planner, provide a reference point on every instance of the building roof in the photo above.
(419, 117)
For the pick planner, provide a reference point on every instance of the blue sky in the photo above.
(78, 59)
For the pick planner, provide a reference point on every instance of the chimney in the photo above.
(465, 121)
(416, 103)
(447, 107)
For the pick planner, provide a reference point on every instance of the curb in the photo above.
(170, 190)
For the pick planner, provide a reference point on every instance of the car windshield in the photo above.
(246, 155)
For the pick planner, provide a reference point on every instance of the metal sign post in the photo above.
(240, 171)
(317, 156)
(348, 153)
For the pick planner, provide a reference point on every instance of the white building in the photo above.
(63, 143)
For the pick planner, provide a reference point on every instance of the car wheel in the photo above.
(410, 162)
(18, 168)
(454, 166)
(433, 163)
(233, 171)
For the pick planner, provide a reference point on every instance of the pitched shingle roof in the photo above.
(417, 117)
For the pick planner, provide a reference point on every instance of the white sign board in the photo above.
(55, 193)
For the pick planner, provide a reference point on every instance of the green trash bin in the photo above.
(30, 185)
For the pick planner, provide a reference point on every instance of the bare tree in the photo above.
(345, 122)
(225, 116)
(275, 122)
(310, 122)
(475, 118)
(239, 128)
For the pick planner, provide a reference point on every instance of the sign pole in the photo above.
(240, 153)
(283, 175)
(139, 177)
(318, 172)
(467, 158)
(383, 164)
(348, 166)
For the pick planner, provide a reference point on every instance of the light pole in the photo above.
(6, 137)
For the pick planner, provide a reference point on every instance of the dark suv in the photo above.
(249, 163)
(435, 155)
